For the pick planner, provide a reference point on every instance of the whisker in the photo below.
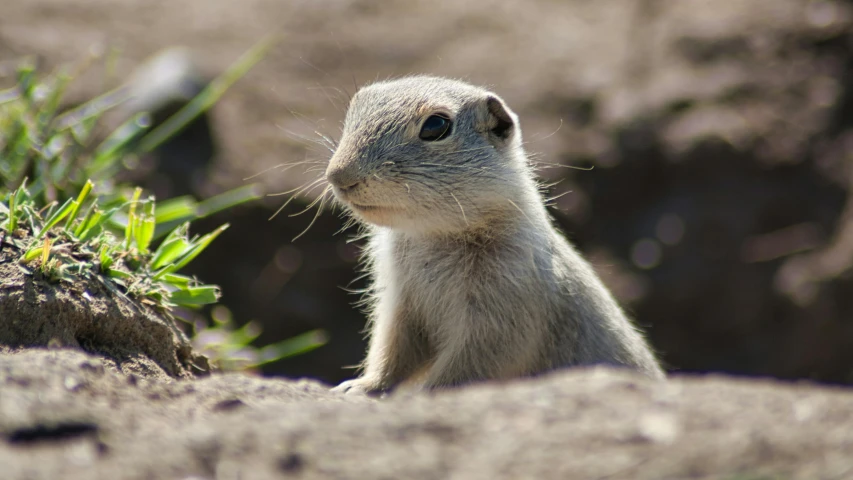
(352, 74)
(315, 67)
(534, 139)
(560, 165)
(284, 167)
(329, 98)
(317, 169)
(279, 210)
(329, 141)
(307, 141)
(469, 167)
(550, 201)
(298, 191)
(519, 209)
(279, 194)
(460, 209)
(474, 149)
(306, 122)
(322, 199)
(348, 223)
(266, 170)
(310, 205)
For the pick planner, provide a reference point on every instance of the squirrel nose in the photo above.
(343, 178)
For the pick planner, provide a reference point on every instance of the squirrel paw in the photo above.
(358, 386)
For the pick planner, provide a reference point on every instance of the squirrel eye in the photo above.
(436, 127)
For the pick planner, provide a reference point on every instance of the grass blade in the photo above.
(9, 95)
(175, 245)
(292, 346)
(204, 100)
(13, 212)
(244, 335)
(92, 109)
(131, 218)
(186, 208)
(32, 253)
(51, 103)
(82, 130)
(105, 258)
(57, 216)
(45, 252)
(176, 280)
(84, 222)
(178, 208)
(115, 273)
(144, 232)
(191, 296)
(229, 199)
(112, 149)
(196, 248)
(80, 199)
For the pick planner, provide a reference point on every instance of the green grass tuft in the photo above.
(98, 245)
(62, 211)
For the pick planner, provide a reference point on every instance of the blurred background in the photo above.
(720, 132)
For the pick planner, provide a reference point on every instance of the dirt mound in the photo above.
(92, 315)
(63, 415)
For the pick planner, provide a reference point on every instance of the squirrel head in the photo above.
(428, 154)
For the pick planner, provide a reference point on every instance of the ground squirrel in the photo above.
(470, 279)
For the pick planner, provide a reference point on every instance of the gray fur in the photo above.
(470, 279)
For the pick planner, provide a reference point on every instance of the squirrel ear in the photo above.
(501, 119)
